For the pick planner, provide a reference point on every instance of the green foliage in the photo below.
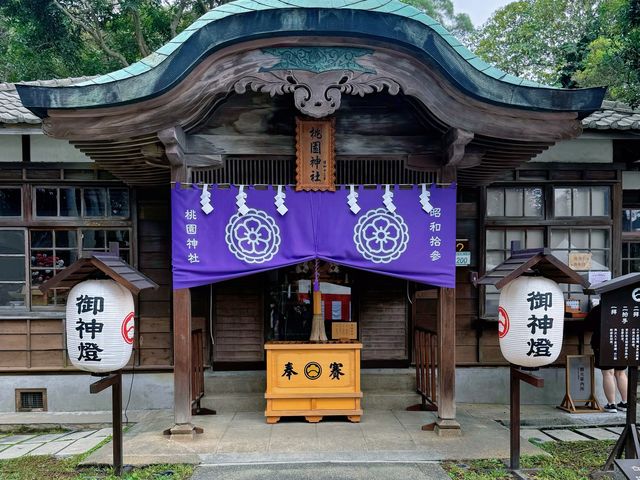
(565, 461)
(567, 43)
(534, 39)
(459, 24)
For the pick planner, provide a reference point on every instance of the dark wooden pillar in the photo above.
(446, 423)
(182, 356)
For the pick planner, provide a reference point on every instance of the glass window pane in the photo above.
(120, 236)
(119, 202)
(10, 202)
(494, 259)
(513, 202)
(66, 239)
(559, 238)
(64, 258)
(562, 202)
(12, 242)
(495, 239)
(492, 297)
(579, 239)
(581, 202)
(12, 294)
(46, 202)
(533, 202)
(93, 239)
(599, 239)
(11, 269)
(41, 239)
(70, 202)
(42, 258)
(631, 220)
(95, 202)
(599, 260)
(495, 202)
(535, 239)
(514, 236)
(600, 201)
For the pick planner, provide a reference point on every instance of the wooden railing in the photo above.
(197, 370)
(425, 351)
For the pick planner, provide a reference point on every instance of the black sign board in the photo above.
(629, 468)
(620, 327)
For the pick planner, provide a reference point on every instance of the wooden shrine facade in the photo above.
(219, 103)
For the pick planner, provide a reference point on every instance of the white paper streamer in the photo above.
(205, 200)
(352, 200)
(425, 196)
(279, 201)
(241, 201)
(387, 199)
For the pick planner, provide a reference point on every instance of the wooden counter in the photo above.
(313, 380)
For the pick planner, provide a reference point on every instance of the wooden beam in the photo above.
(454, 144)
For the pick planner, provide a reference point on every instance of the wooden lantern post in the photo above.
(523, 262)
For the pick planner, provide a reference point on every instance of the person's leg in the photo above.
(609, 386)
(621, 382)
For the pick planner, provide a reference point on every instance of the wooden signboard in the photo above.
(620, 327)
(315, 155)
(580, 260)
(344, 330)
(580, 385)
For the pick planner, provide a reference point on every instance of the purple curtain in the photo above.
(404, 233)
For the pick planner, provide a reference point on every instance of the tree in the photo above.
(613, 57)
(459, 24)
(535, 39)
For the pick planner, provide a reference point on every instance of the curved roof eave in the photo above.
(387, 21)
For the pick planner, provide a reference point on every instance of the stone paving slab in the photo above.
(51, 448)
(18, 450)
(13, 439)
(598, 433)
(534, 434)
(565, 435)
(79, 446)
(78, 435)
(616, 430)
(45, 438)
(102, 433)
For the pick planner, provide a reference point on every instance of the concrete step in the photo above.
(240, 383)
(255, 402)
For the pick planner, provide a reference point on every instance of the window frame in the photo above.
(29, 222)
(547, 222)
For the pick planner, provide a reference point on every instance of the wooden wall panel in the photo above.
(154, 342)
(239, 321)
(383, 317)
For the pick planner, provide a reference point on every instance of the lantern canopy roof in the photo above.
(628, 280)
(100, 264)
(525, 262)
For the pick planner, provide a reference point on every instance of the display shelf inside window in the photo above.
(51, 251)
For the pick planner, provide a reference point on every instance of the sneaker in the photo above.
(611, 408)
(622, 406)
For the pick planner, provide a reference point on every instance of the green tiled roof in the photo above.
(239, 7)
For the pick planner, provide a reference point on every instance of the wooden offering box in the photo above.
(313, 380)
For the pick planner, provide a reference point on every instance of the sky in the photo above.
(478, 10)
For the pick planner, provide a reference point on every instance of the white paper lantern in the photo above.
(531, 321)
(100, 326)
